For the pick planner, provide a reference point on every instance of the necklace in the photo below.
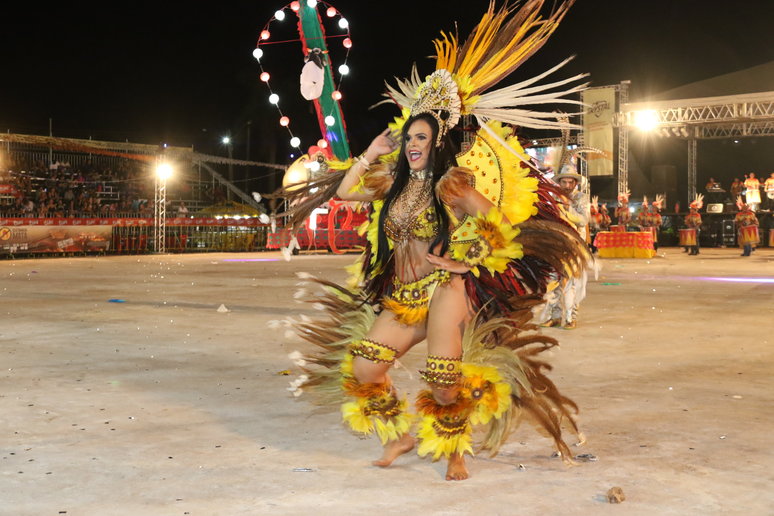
(419, 175)
(415, 196)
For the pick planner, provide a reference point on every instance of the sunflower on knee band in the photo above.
(487, 390)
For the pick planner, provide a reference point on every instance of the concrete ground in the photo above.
(125, 391)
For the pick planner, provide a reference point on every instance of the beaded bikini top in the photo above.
(423, 226)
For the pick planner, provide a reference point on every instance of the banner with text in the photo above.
(598, 129)
(54, 239)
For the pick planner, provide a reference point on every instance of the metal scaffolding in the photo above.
(160, 214)
(731, 116)
(691, 169)
(623, 141)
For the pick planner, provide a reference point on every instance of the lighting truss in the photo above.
(732, 116)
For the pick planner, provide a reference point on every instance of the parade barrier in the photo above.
(30, 236)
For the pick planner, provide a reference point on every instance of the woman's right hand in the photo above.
(383, 144)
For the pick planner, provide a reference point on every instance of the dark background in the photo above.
(183, 74)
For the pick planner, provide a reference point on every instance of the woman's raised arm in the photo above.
(383, 144)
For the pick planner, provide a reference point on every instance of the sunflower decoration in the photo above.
(494, 247)
(490, 393)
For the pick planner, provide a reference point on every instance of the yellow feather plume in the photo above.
(442, 446)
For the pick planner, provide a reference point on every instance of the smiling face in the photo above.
(419, 144)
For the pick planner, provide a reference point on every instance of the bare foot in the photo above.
(394, 449)
(456, 469)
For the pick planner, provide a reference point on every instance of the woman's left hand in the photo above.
(441, 262)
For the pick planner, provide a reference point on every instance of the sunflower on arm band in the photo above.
(493, 247)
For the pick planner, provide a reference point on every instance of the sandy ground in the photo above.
(124, 391)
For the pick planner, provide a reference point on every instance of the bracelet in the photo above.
(366, 164)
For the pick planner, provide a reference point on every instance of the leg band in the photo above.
(441, 371)
(444, 429)
(375, 408)
(373, 351)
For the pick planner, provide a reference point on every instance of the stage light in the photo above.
(164, 171)
(311, 3)
(343, 69)
(265, 76)
(646, 120)
(225, 140)
(295, 6)
(322, 144)
(265, 34)
(347, 43)
(329, 120)
(257, 54)
(343, 23)
(336, 95)
(280, 15)
(331, 12)
(295, 141)
(284, 121)
(274, 98)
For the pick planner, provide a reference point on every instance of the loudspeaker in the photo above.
(728, 233)
(716, 207)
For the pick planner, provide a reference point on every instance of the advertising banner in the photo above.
(54, 239)
(598, 129)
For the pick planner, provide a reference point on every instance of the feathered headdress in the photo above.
(594, 204)
(564, 156)
(644, 202)
(659, 202)
(740, 203)
(464, 74)
(697, 202)
(623, 197)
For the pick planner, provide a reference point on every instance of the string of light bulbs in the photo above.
(264, 39)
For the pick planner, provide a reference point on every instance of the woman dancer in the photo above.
(461, 248)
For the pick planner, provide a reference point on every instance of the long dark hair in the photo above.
(439, 161)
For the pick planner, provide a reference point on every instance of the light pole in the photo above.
(163, 172)
(227, 142)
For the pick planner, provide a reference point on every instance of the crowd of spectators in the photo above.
(35, 188)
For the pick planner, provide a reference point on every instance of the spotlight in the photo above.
(646, 120)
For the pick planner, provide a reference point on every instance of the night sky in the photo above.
(184, 74)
